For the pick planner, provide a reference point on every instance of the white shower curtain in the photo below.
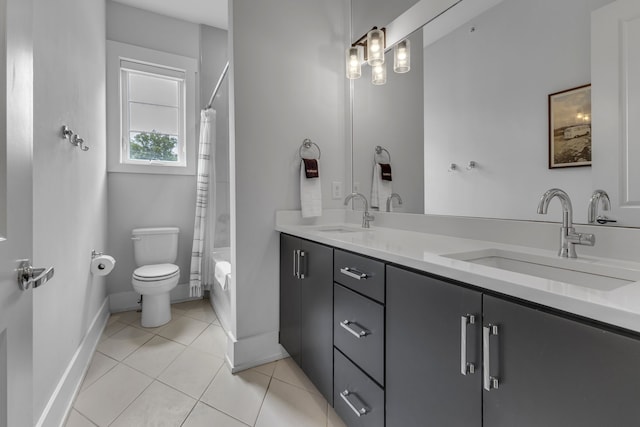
(202, 268)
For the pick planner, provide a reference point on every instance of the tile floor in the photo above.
(175, 375)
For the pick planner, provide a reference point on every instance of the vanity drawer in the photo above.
(358, 330)
(355, 393)
(359, 273)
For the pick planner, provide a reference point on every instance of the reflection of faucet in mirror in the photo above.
(366, 216)
(594, 202)
(390, 201)
(568, 236)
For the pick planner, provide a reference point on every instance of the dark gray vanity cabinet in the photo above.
(531, 367)
(306, 308)
(433, 335)
(358, 338)
(553, 371)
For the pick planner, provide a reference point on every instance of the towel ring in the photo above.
(307, 144)
(379, 151)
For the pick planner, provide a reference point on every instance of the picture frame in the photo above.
(570, 128)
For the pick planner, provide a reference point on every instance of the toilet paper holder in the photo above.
(95, 254)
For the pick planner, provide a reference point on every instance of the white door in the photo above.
(615, 100)
(16, 131)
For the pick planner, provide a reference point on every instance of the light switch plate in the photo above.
(336, 190)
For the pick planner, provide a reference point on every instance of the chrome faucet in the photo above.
(390, 201)
(594, 202)
(366, 216)
(568, 236)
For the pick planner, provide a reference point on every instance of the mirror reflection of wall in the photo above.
(391, 116)
(485, 94)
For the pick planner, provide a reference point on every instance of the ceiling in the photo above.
(209, 12)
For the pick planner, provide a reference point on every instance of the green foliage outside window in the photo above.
(153, 146)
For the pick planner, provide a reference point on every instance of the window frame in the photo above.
(122, 56)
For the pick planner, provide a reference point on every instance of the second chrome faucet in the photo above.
(366, 216)
(568, 236)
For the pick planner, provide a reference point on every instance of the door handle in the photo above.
(29, 277)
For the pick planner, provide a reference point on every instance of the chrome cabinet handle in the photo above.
(465, 367)
(358, 334)
(295, 263)
(359, 412)
(301, 264)
(29, 277)
(489, 382)
(353, 273)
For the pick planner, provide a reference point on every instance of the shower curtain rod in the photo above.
(217, 88)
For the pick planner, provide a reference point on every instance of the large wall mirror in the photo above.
(476, 98)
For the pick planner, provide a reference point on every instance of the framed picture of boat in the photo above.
(570, 128)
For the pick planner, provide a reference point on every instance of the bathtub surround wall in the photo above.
(289, 84)
(69, 197)
(151, 200)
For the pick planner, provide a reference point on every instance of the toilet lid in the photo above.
(156, 271)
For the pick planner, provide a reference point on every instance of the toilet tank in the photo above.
(157, 245)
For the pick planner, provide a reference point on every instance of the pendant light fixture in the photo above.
(372, 46)
(354, 62)
(375, 47)
(379, 74)
(402, 57)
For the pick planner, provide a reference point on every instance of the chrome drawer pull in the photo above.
(353, 273)
(465, 367)
(489, 382)
(362, 333)
(359, 412)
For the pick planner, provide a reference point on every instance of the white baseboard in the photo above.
(61, 401)
(127, 301)
(253, 351)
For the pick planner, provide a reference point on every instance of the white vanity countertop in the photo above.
(619, 306)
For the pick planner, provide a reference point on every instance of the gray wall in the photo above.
(70, 191)
(149, 200)
(213, 41)
(289, 83)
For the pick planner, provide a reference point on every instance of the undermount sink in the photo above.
(578, 272)
(340, 229)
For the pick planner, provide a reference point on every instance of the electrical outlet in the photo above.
(336, 190)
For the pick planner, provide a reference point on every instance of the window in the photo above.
(151, 111)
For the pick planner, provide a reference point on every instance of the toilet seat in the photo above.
(155, 272)
(155, 279)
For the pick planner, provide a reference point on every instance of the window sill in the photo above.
(152, 169)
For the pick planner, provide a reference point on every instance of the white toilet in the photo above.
(155, 251)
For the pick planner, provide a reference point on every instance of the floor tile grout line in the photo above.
(223, 412)
(263, 399)
(85, 416)
(134, 399)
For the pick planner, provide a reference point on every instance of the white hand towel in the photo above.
(223, 273)
(310, 194)
(380, 189)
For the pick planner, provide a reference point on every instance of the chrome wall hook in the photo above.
(471, 165)
(73, 138)
(453, 167)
